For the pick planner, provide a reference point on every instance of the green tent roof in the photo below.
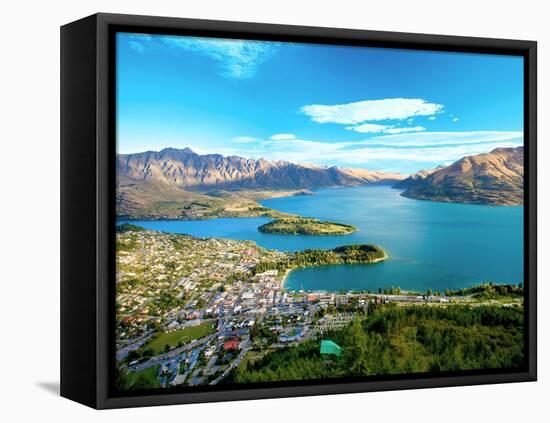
(329, 347)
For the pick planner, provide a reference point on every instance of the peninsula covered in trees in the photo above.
(347, 254)
(305, 226)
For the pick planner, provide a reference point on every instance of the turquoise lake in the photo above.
(430, 245)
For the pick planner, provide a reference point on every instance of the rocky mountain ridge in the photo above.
(494, 178)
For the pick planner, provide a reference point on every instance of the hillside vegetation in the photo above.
(347, 254)
(305, 226)
(397, 340)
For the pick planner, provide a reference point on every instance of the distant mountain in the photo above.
(493, 178)
(415, 177)
(180, 184)
(187, 170)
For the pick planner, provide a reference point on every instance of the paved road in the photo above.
(122, 352)
(171, 354)
(244, 350)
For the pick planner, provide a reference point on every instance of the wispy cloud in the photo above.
(237, 59)
(138, 42)
(368, 128)
(386, 129)
(391, 152)
(136, 45)
(395, 130)
(244, 139)
(282, 137)
(434, 139)
(371, 110)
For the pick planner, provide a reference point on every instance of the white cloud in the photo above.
(405, 129)
(431, 154)
(386, 129)
(137, 46)
(138, 42)
(429, 147)
(238, 59)
(371, 110)
(368, 128)
(431, 118)
(244, 139)
(282, 137)
(428, 139)
(455, 119)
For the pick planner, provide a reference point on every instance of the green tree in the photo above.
(356, 352)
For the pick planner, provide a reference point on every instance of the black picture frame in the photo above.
(88, 199)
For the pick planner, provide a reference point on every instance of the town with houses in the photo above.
(189, 310)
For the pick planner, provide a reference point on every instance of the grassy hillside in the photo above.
(151, 200)
(494, 178)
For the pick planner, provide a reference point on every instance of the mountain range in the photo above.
(415, 177)
(181, 184)
(188, 170)
(494, 178)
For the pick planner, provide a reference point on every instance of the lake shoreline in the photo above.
(289, 271)
(417, 233)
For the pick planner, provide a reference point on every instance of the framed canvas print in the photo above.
(256, 211)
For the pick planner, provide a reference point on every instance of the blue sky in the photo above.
(383, 109)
